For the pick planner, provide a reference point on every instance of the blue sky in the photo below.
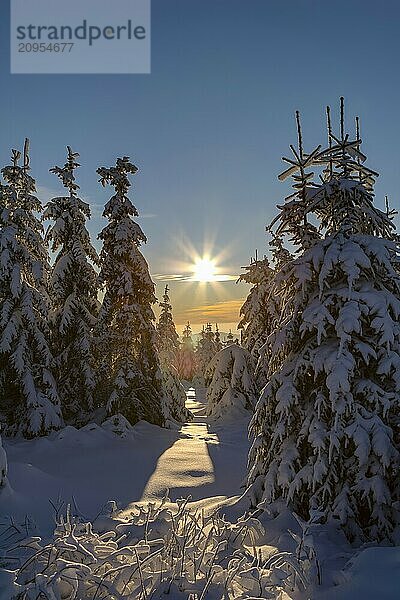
(210, 124)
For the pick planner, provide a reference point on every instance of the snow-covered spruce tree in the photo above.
(129, 377)
(167, 336)
(186, 356)
(29, 403)
(229, 338)
(73, 289)
(259, 313)
(232, 392)
(205, 351)
(325, 425)
(168, 351)
(217, 339)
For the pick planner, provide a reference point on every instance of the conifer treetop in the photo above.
(17, 177)
(66, 173)
(117, 176)
(341, 199)
(119, 208)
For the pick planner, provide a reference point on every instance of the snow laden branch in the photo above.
(157, 551)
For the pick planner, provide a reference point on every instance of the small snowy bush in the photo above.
(156, 552)
(232, 391)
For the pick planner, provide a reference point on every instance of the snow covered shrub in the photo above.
(120, 426)
(324, 430)
(158, 551)
(232, 391)
(129, 377)
(29, 403)
(73, 289)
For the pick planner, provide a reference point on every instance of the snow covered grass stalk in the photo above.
(156, 551)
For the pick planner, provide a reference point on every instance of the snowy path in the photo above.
(203, 462)
(90, 466)
(187, 464)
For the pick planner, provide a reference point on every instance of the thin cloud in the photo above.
(191, 278)
(221, 312)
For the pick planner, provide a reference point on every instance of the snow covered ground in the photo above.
(91, 466)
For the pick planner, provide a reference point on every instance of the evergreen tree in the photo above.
(205, 351)
(129, 374)
(232, 392)
(259, 313)
(186, 357)
(73, 293)
(168, 348)
(325, 426)
(29, 403)
(229, 338)
(217, 339)
(168, 339)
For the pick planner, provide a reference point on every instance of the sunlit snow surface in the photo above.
(90, 466)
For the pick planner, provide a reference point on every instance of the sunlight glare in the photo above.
(204, 270)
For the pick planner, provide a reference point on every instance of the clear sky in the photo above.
(209, 125)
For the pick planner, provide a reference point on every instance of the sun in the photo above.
(204, 269)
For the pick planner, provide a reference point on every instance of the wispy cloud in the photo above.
(147, 216)
(183, 277)
(222, 312)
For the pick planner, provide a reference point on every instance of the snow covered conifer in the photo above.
(229, 338)
(259, 313)
(74, 295)
(168, 338)
(232, 391)
(217, 339)
(29, 403)
(129, 372)
(168, 351)
(205, 350)
(186, 358)
(325, 426)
